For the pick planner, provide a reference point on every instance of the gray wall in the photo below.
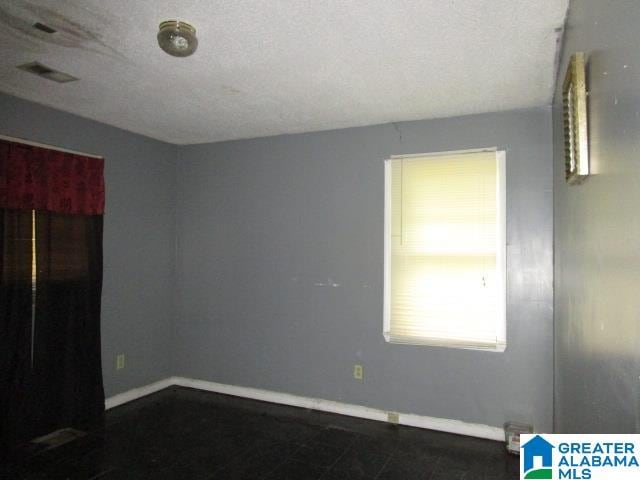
(139, 236)
(597, 231)
(264, 225)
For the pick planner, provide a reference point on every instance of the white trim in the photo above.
(44, 145)
(409, 156)
(360, 411)
(386, 326)
(351, 410)
(139, 392)
(501, 255)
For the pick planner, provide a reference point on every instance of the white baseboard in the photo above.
(409, 419)
(136, 393)
(432, 423)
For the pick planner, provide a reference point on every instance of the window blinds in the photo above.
(445, 250)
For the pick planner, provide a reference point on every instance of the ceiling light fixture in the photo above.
(177, 38)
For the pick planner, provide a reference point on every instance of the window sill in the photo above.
(498, 347)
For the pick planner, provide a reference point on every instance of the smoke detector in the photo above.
(177, 38)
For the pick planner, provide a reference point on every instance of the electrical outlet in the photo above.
(393, 417)
(358, 372)
(120, 361)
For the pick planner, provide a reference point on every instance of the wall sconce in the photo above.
(574, 102)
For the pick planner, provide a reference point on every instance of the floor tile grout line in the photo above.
(102, 474)
(286, 459)
(395, 449)
(435, 467)
(346, 449)
(383, 467)
(233, 458)
(300, 446)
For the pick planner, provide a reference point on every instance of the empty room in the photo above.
(319, 239)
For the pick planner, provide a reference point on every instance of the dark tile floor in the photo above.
(187, 434)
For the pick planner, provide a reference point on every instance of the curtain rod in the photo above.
(45, 145)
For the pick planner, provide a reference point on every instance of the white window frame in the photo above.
(501, 254)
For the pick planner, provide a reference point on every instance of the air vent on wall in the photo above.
(46, 72)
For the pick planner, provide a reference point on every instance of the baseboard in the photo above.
(420, 421)
(409, 419)
(136, 393)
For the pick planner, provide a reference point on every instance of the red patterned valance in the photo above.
(36, 178)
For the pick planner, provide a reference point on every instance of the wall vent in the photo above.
(58, 438)
(46, 72)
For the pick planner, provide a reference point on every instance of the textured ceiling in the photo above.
(265, 67)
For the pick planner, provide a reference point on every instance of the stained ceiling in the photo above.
(266, 67)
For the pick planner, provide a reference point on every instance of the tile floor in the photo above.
(180, 433)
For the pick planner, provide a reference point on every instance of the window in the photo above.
(445, 250)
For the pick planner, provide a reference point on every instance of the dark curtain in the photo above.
(15, 327)
(50, 375)
(67, 360)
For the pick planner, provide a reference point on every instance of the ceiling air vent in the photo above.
(46, 72)
(44, 28)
